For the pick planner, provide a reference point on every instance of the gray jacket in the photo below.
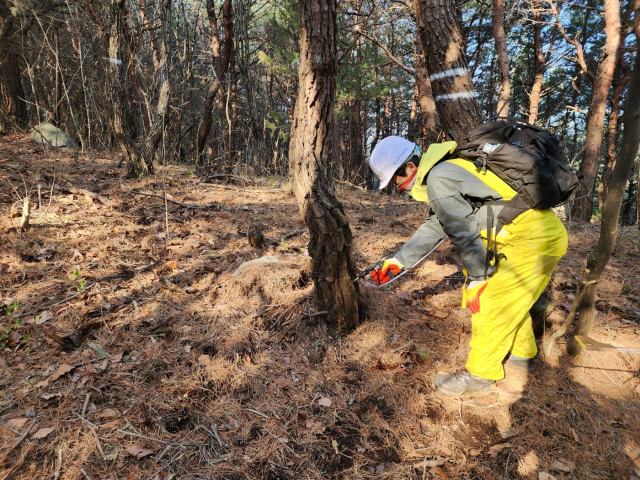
(454, 194)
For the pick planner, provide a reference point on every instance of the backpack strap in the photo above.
(512, 208)
(492, 244)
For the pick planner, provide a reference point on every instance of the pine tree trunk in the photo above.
(583, 206)
(442, 39)
(500, 39)
(11, 91)
(309, 159)
(599, 257)
(430, 122)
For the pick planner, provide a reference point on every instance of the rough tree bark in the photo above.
(11, 91)
(309, 159)
(500, 39)
(599, 257)
(429, 122)
(583, 206)
(443, 42)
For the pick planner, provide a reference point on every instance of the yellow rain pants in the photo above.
(535, 242)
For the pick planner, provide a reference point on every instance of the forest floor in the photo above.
(131, 350)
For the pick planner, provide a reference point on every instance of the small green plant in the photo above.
(284, 246)
(11, 308)
(79, 282)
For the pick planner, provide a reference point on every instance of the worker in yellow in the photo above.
(465, 202)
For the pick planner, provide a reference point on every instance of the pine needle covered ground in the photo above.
(131, 350)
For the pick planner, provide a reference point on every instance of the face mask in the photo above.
(408, 184)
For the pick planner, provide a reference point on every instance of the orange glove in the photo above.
(471, 295)
(390, 268)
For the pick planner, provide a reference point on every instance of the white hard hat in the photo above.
(388, 156)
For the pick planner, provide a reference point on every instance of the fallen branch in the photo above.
(285, 445)
(142, 436)
(349, 184)
(20, 440)
(184, 205)
(88, 194)
(225, 187)
(295, 233)
(225, 175)
(92, 427)
(86, 404)
(33, 312)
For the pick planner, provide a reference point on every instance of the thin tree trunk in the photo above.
(583, 206)
(500, 39)
(309, 159)
(117, 77)
(442, 39)
(357, 155)
(386, 118)
(411, 125)
(11, 91)
(626, 206)
(156, 131)
(228, 110)
(612, 141)
(539, 64)
(212, 90)
(621, 78)
(599, 257)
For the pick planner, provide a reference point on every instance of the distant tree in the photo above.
(540, 59)
(500, 39)
(309, 159)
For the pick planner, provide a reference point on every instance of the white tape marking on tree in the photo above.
(453, 72)
(455, 96)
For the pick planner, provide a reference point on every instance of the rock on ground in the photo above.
(48, 134)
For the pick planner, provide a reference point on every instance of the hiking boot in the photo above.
(520, 363)
(460, 382)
